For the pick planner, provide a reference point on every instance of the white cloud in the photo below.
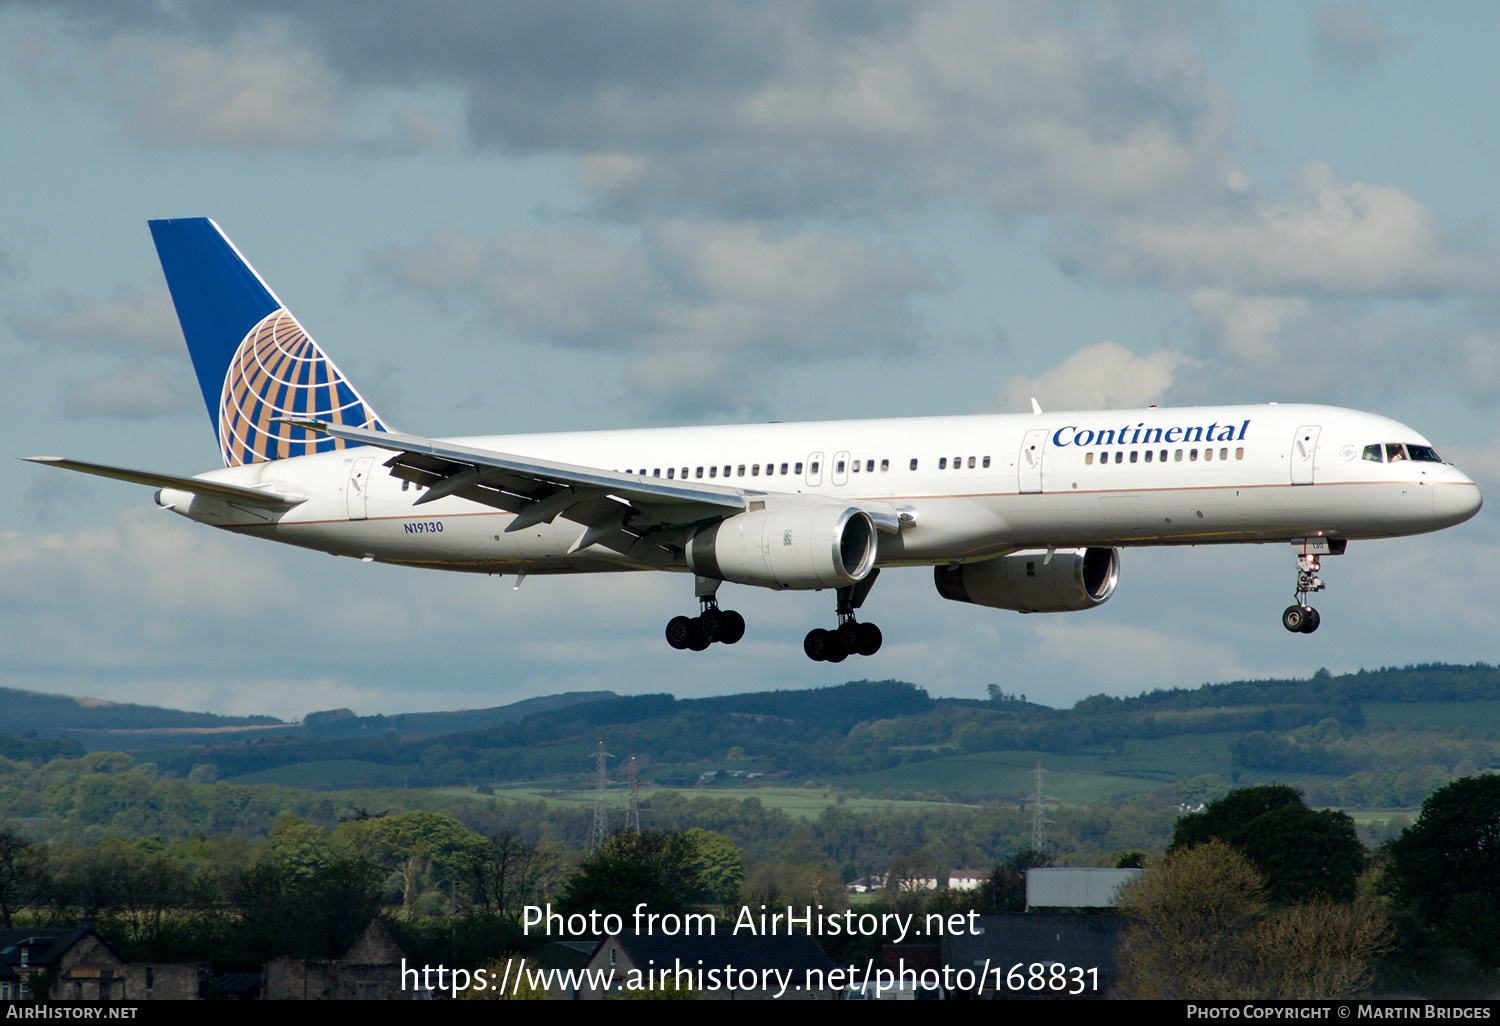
(1330, 237)
(132, 391)
(255, 93)
(1350, 33)
(1105, 376)
(129, 319)
(705, 310)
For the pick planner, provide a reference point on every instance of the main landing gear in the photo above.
(710, 625)
(1303, 618)
(850, 637)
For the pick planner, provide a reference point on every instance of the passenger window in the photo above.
(1208, 454)
(958, 462)
(755, 470)
(712, 471)
(943, 463)
(885, 466)
(855, 467)
(971, 463)
(1192, 455)
(1177, 456)
(914, 464)
(1119, 457)
(700, 472)
(813, 469)
(1163, 457)
(1239, 454)
(405, 485)
(1134, 455)
(1394, 452)
(741, 471)
(656, 472)
(869, 466)
(1372, 452)
(1223, 454)
(726, 471)
(838, 468)
(1088, 459)
(986, 463)
(1148, 455)
(669, 473)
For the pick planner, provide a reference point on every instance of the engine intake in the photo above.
(800, 547)
(1026, 582)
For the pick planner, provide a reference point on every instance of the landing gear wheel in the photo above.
(816, 644)
(698, 640)
(1295, 618)
(1310, 623)
(836, 652)
(710, 621)
(868, 640)
(731, 626)
(848, 635)
(679, 632)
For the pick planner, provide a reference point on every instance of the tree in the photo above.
(21, 865)
(1299, 852)
(1202, 930)
(1191, 937)
(1446, 866)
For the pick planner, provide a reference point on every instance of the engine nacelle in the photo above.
(801, 547)
(1023, 581)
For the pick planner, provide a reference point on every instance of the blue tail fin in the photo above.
(253, 359)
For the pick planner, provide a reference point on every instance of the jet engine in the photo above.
(799, 547)
(1029, 583)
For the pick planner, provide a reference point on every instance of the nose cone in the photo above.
(1455, 499)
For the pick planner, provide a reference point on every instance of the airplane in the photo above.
(1022, 512)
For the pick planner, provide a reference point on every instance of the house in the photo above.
(369, 971)
(80, 965)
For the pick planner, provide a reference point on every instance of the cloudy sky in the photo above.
(588, 214)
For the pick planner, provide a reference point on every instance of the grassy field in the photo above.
(1482, 719)
(800, 802)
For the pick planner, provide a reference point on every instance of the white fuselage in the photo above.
(970, 487)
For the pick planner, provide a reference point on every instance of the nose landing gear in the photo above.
(1302, 618)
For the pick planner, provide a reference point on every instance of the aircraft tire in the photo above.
(836, 653)
(869, 639)
(711, 622)
(1294, 619)
(1312, 620)
(816, 644)
(679, 631)
(731, 627)
(698, 639)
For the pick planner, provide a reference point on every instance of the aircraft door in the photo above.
(814, 469)
(1029, 466)
(357, 494)
(1304, 454)
(839, 472)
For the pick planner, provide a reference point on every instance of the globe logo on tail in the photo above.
(278, 371)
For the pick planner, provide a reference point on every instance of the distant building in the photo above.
(369, 971)
(1075, 888)
(83, 966)
(1068, 955)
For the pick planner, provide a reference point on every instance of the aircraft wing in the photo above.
(540, 490)
(233, 493)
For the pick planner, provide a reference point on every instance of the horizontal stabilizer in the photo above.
(233, 493)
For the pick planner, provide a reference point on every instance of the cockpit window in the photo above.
(1424, 454)
(1372, 452)
(1394, 452)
